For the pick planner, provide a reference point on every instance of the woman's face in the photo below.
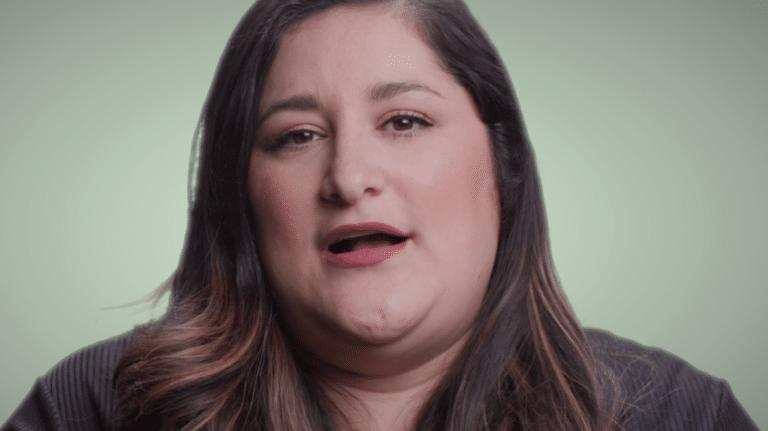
(360, 126)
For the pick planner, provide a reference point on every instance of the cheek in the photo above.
(280, 211)
(484, 186)
(464, 214)
(462, 190)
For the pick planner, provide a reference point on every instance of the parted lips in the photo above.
(351, 237)
(365, 241)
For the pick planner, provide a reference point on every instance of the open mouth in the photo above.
(373, 240)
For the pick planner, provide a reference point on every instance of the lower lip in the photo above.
(363, 257)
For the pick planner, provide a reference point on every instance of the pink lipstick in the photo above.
(361, 245)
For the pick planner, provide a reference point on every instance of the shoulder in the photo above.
(77, 393)
(662, 391)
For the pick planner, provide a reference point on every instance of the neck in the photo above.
(362, 409)
(385, 402)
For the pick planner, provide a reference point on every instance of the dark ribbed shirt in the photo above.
(665, 392)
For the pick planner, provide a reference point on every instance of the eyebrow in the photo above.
(388, 90)
(299, 102)
(378, 92)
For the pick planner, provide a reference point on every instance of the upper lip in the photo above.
(352, 230)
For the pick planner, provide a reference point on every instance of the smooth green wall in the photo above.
(648, 119)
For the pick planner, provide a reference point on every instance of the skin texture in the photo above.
(383, 334)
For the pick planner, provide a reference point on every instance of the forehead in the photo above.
(346, 21)
(353, 45)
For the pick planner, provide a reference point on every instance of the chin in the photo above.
(379, 332)
(378, 329)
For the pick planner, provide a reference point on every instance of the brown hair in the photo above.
(219, 358)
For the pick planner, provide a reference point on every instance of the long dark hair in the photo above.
(219, 359)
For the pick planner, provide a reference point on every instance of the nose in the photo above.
(352, 172)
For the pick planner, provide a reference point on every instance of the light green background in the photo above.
(649, 119)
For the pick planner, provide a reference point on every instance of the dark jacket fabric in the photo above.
(664, 391)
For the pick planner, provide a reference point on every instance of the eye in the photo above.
(295, 138)
(406, 124)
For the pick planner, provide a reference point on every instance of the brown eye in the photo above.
(402, 124)
(302, 136)
(295, 138)
(406, 124)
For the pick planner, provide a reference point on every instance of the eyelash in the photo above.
(282, 141)
(417, 120)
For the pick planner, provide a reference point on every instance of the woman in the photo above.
(367, 249)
